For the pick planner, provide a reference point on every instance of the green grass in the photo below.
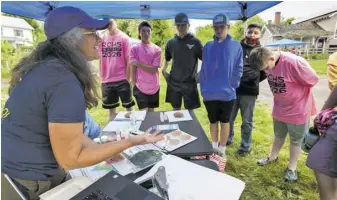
(319, 66)
(262, 183)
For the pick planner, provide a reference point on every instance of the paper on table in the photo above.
(94, 172)
(172, 118)
(198, 182)
(165, 145)
(112, 126)
(68, 189)
(123, 167)
(140, 115)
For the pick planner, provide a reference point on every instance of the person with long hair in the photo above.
(50, 89)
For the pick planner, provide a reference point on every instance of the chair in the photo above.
(15, 187)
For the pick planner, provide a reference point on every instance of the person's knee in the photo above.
(296, 141)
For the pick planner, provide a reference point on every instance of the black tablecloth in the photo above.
(201, 146)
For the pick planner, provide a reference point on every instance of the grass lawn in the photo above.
(262, 183)
(319, 66)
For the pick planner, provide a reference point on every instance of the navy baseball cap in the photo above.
(181, 18)
(220, 20)
(63, 19)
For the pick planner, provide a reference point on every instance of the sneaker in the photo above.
(218, 152)
(266, 161)
(290, 175)
(241, 152)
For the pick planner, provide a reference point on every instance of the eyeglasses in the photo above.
(92, 33)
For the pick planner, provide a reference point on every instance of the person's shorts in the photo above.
(296, 131)
(146, 100)
(219, 111)
(112, 92)
(322, 157)
(190, 96)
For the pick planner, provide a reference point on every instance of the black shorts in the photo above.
(219, 111)
(111, 92)
(146, 100)
(191, 98)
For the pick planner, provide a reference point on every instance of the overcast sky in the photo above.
(288, 9)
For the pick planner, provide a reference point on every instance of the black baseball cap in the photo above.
(181, 18)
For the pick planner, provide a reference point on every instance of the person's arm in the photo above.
(202, 72)
(148, 68)
(238, 69)
(304, 74)
(168, 58)
(72, 149)
(199, 56)
(127, 49)
(153, 68)
(263, 75)
(87, 141)
(133, 59)
(331, 102)
(199, 49)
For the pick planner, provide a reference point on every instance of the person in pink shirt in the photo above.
(115, 51)
(145, 61)
(291, 79)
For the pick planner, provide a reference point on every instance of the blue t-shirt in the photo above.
(49, 93)
(91, 128)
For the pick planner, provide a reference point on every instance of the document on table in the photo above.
(140, 115)
(130, 164)
(189, 181)
(113, 126)
(186, 116)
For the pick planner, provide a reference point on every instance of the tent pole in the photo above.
(244, 16)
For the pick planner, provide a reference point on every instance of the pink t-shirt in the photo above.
(148, 54)
(291, 81)
(114, 52)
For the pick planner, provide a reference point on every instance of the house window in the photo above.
(18, 33)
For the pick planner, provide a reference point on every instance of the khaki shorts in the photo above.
(36, 188)
(296, 131)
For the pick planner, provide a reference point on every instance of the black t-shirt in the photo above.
(49, 93)
(185, 53)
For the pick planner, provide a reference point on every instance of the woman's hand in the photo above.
(147, 137)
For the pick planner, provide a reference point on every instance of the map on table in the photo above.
(131, 160)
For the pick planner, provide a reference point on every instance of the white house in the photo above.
(318, 30)
(16, 31)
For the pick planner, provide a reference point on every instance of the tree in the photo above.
(236, 30)
(288, 21)
(162, 31)
(129, 26)
(205, 33)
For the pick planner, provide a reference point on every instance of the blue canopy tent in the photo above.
(235, 10)
(286, 42)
